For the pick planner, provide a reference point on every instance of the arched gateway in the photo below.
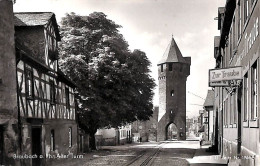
(173, 70)
(171, 131)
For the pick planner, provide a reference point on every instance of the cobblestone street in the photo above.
(172, 153)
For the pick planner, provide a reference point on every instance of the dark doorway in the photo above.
(118, 137)
(171, 132)
(36, 145)
(81, 143)
(239, 132)
(1, 145)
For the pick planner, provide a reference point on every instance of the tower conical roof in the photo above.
(172, 54)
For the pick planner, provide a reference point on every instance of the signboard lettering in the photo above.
(218, 75)
(219, 83)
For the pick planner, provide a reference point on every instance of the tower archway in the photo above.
(171, 131)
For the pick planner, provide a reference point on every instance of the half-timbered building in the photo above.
(46, 103)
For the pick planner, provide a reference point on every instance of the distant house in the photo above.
(113, 136)
(204, 125)
(146, 130)
(210, 115)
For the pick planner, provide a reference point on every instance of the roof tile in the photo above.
(172, 54)
(32, 18)
(209, 99)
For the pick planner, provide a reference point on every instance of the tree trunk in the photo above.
(92, 141)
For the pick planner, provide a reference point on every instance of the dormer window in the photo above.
(52, 51)
(53, 54)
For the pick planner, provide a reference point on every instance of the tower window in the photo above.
(170, 66)
(172, 92)
(161, 67)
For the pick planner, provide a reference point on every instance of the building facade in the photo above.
(43, 109)
(146, 131)
(208, 107)
(173, 70)
(237, 105)
(46, 102)
(113, 136)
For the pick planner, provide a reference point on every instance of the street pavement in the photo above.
(166, 153)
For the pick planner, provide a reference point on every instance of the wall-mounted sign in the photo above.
(219, 84)
(232, 73)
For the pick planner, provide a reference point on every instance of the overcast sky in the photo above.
(148, 25)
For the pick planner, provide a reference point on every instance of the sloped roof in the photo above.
(172, 54)
(209, 99)
(26, 19)
(32, 18)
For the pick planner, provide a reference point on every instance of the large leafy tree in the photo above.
(114, 85)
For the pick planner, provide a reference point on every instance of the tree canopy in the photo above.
(114, 85)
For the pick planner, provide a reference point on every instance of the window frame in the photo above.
(67, 95)
(231, 104)
(239, 24)
(52, 91)
(29, 82)
(70, 137)
(52, 141)
(235, 108)
(254, 91)
(246, 97)
(233, 36)
(246, 10)
(230, 43)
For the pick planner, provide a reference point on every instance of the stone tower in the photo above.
(173, 70)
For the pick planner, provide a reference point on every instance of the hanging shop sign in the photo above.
(220, 77)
